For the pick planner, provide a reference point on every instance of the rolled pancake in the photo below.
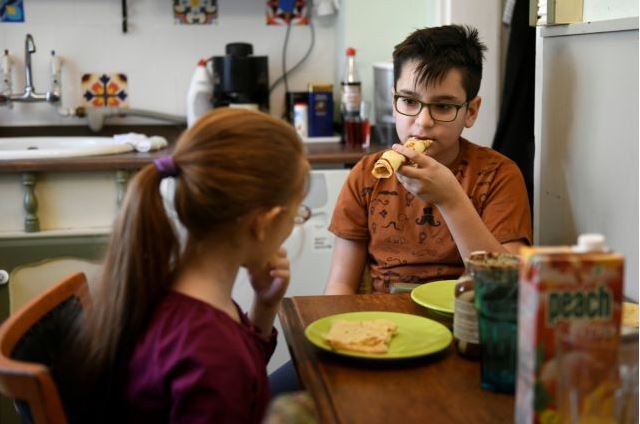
(391, 160)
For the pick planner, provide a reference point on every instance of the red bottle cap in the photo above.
(202, 62)
(351, 51)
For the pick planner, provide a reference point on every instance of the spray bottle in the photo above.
(200, 93)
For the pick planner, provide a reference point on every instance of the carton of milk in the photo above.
(569, 312)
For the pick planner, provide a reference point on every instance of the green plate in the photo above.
(416, 336)
(437, 295)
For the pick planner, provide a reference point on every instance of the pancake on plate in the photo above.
(629, 317)
(368, 336)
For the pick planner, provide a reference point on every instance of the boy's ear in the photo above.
(262, 221)
(472, 111)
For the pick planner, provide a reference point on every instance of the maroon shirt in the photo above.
(195, 364)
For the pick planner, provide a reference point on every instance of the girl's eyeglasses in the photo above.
(303, 215)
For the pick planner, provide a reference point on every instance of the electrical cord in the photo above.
(286, 73)
(284, 58)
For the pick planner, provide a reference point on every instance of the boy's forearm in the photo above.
(336, 288)
(467, 228)
(347, 265)
(344, 281)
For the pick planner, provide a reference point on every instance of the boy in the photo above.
(440, 206)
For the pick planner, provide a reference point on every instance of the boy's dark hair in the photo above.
(440, 49)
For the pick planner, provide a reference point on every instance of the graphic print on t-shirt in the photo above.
(399, 224)
(428, 217)
(408, 198)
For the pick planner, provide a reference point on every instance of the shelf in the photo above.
(610, 25)
(79, 232)
(332, 139)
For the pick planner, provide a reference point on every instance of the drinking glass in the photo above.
(495, 277)
(357, 129)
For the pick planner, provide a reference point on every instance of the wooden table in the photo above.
(440, 388)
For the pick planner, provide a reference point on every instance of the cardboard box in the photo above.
(570, 307)
(320, 110)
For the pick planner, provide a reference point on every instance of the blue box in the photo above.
(320, 110)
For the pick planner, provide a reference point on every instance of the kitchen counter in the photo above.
(319, 154)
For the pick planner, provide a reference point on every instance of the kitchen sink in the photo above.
(16, 148)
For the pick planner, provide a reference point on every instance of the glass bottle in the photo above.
(351, 94)
(465, 318)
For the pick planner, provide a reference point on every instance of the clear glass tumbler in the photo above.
(496, 299)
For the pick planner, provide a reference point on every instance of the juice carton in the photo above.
(569, 312)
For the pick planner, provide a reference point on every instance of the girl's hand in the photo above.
(427, 179)
(270, 283)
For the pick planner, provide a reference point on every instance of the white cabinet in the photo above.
(67, 201)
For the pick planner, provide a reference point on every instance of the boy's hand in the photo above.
(270, 283)
(427, 178)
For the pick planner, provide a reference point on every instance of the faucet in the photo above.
(30, 95)
(98, 115)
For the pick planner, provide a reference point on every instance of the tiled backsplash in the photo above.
(157, 56)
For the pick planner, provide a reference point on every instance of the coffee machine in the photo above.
(241, 79)
(383, 103)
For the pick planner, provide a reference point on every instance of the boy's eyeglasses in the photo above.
(439, 112)
(303, 215)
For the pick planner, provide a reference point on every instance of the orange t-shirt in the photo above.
(408, 240)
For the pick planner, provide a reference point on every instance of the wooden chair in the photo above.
(30, 342)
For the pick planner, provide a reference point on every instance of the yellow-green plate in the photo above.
(416, 336)
(437, 295)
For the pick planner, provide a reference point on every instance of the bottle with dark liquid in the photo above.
(351, 95)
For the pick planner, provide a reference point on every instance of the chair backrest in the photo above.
(27, 340)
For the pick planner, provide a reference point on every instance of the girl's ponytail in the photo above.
(138, 270)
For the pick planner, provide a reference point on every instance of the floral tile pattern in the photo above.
(105, 90)
(11, 11)
(195, 12)
(287, 12)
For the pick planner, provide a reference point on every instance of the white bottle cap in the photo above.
(590, 243)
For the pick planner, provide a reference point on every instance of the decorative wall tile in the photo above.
(105, 90)
(283, 12)
(11, 11)
(195, 12)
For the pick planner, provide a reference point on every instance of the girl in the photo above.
(163, 334)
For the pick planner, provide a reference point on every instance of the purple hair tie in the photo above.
(166, 166)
